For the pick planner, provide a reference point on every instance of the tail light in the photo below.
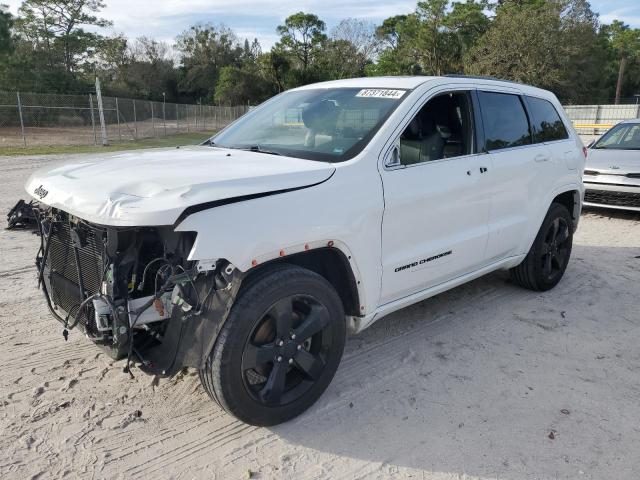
(584, 151)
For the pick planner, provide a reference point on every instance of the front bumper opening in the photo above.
(613, 198)
(132, 290)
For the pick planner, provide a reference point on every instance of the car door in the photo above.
(548, 128)
(436, 197)
(521, 171)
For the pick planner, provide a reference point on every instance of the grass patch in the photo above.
(159, 142)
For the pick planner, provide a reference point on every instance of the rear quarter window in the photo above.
(547, 124)
(505, 120)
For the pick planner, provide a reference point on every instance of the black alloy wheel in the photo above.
(279, 347)
(555, 249)
(286, 352)
(548, 257)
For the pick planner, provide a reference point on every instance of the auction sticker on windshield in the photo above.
(380, 93)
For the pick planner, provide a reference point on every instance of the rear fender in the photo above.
(535, 226)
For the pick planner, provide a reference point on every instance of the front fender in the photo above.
(252, 232)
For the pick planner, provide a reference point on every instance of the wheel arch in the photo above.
(569, 195)
(571, 199)
(332, 264)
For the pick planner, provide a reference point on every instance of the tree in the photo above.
(390, 31)
(143, 68)
(239, 86)
(55, 27)
(340, 59)
(552, 44)
(625, 43)
(113, 57)
(278, 67)
(432, 40)
(523, 45)
(251, 51)
(362, 36)
(468, 22)
(391, 60)
(6, 22)
(56, 46)
(302, 36)
(251, 83)
(204, 51)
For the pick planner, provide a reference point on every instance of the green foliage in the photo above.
(302, 36)
(432, 40)
(624, 41)
(467, 22)
(340, 59)
(6, 22)
(362, 36)
(237, 86)
(205, 50)
(56, 46)
(52, 50)
(523, 44)
(55, 27)
(277, 66)
(551, 44)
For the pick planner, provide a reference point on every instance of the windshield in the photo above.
(331, 125)
(625, 136)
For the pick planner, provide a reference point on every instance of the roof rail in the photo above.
(478, 77)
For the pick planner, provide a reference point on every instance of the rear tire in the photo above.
(279, 348)
(547, 260)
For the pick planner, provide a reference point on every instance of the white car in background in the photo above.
(612, 172)
(320, 211)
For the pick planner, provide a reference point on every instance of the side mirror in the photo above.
(393, 158)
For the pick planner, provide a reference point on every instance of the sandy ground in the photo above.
(467, 385)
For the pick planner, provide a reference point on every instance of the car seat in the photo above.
(411, 142)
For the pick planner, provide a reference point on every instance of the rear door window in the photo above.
(547, 124)
(505, 120)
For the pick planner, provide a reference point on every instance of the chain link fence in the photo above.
(31, 119)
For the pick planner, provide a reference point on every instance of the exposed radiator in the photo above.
(61, 263)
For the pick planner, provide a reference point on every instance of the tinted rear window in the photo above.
(505, 120)
(546, 122)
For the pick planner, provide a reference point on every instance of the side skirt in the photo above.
(361, 323)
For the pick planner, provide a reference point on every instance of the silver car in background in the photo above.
(612, 173)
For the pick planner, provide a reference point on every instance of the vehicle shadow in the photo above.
(496, 381)
(611, 213)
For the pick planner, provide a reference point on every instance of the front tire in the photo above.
(547, 260)
(279, 348)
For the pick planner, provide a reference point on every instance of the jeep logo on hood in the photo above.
(40, 192)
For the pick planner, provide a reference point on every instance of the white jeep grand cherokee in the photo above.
(321, 211)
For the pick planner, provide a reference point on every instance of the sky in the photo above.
(165, 19)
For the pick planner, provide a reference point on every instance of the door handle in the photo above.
(483, 169)
(541, 158)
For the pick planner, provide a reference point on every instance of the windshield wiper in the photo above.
(616, 148)
(257, 148)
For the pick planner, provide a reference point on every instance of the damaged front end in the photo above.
(133, 291)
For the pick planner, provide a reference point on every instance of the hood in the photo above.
(606, 160)
(153, 187)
